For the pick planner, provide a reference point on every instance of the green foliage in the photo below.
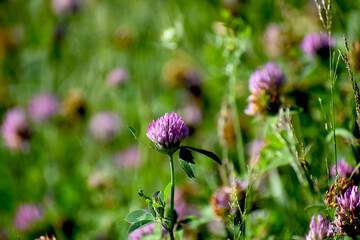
(206, 153)
(189, 168)
(138, 215)
(139, 224)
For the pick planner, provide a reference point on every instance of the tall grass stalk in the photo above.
(238, 134)
(327, 23)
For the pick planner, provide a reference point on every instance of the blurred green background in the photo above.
(191, 57)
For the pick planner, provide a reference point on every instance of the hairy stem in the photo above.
(171, 232)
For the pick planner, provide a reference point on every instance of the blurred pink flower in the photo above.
(317, 44)
(14, 129)
(42, 107)
(128, 158)
(116, 77)
(192, 114)
(182, 208)
(104, 126)
(27, 215)
(344, 169)
(65, 7)
(254, 149)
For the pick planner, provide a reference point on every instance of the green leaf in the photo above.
(206, 153)
(139, 224)
(157, 205)
(132, 130)
(342, 132)
(152, 210)
(166, 223)
(138, 215)
(188, 168)
(186, 155)
(166, 192)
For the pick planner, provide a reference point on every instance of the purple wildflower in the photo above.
(344, 169)
(317, 44)
(263, 86)
(319, 229)
(268, 79)
(116, 76)
(15, 129)
(347, 215)
(259, 81)
(128, 158)
(168, 132)
(42, 107)
(104, 126)
(142, 232)
(27, 215)
(65, 7)
(275, 74)
(350, 201)
(221, 202)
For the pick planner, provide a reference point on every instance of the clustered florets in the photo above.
(319, 229)
(264, 87)
(347, 218)
(168, 132)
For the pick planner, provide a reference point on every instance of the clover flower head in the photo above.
(320, 229)
(347, 218)
(264, 87)
(317, 44)
(168, 132)
(350, 201)
(14, 129)
(344, 169)
(259, 81)
(268, 79)
(104, 126)
(42, 107)
(27, 215)
(276, 75)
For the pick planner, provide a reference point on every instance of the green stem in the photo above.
(238, 134)
(352, 174)
(332, 82)
(171, 232)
